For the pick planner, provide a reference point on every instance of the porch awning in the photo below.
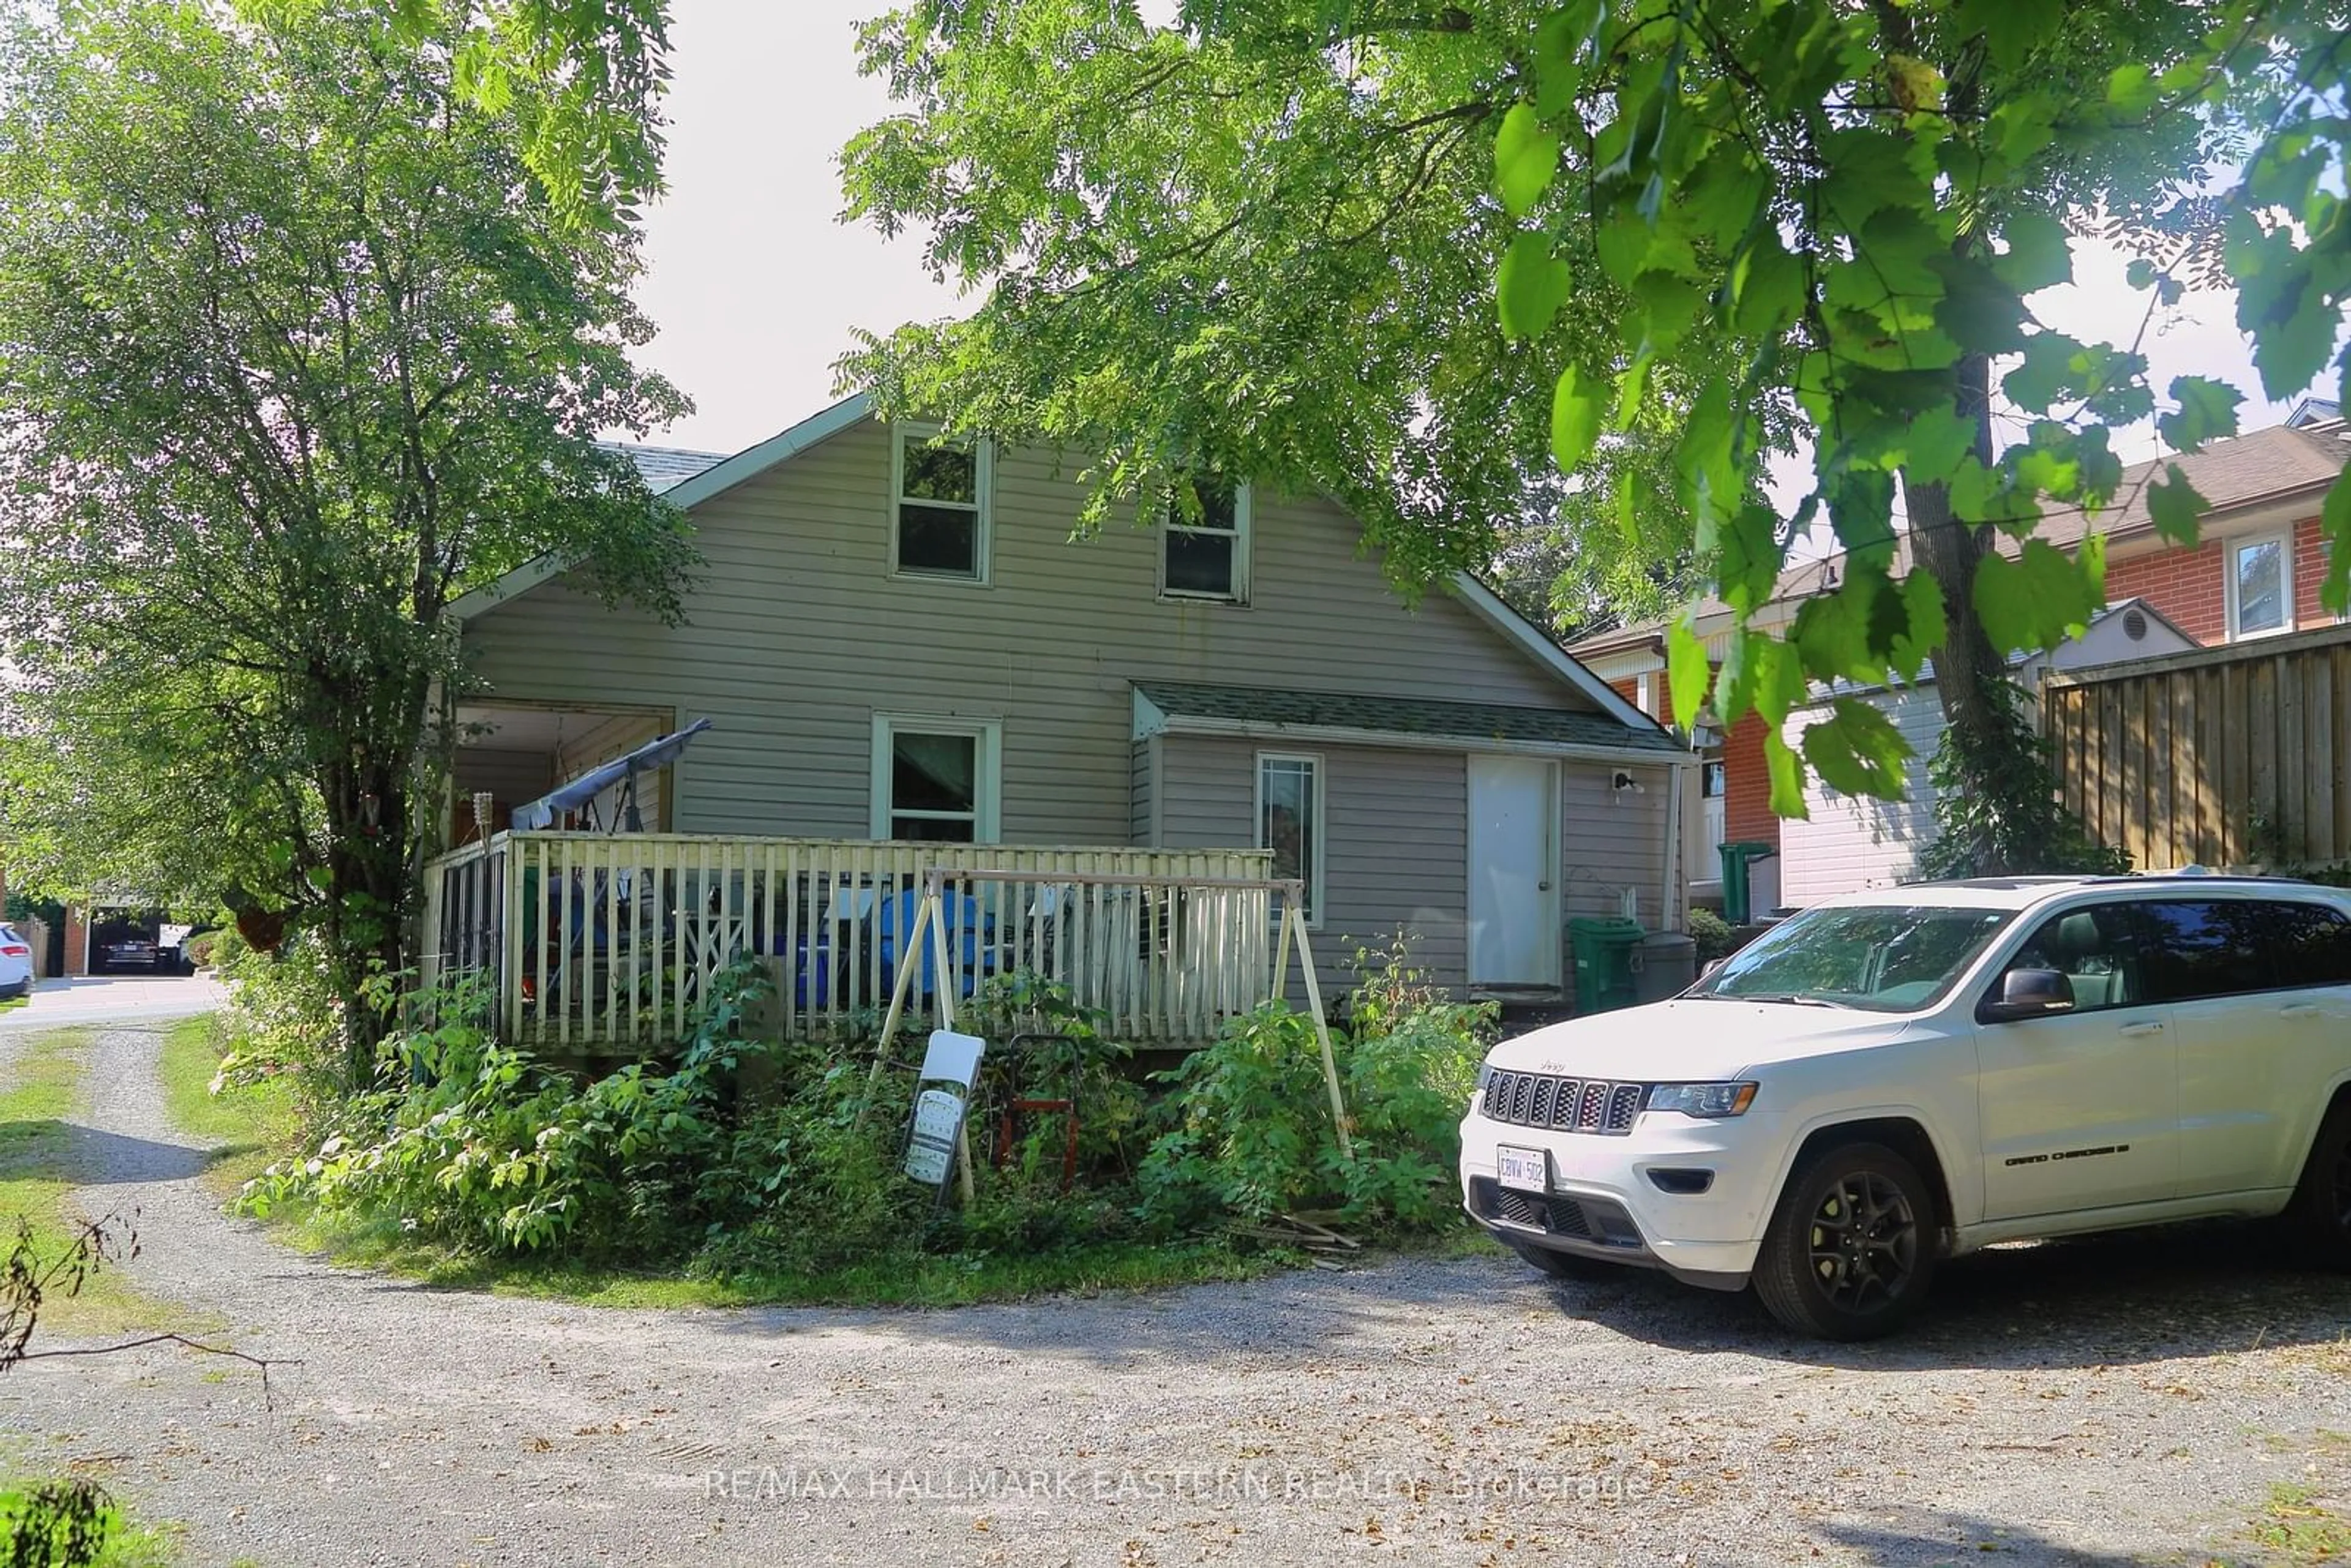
(571, 797)
(1188, 707)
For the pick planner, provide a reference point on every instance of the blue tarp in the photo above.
(571, 797)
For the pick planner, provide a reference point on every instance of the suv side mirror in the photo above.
(2028, 994)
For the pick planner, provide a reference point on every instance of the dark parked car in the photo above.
(129, 953)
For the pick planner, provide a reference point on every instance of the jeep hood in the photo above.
(1693, 1041)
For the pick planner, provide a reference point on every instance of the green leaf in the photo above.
(2207, 412)
(1925, 626)
(1857, 750)
(2174, 506)
(1978, 309)
(2335, 524)
(1689, 672)
(1749, 557)
(2140, 273)
(1530, 287)
(2010, 30)
(1787, 777)
(1632, 386)
(2131, 91)
(1575, 410)
(2042, 597)
(1560, 41)
(1526, 160)
(2038, 255)
(1767, 288)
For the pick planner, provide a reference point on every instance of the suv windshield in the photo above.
(1892, 959)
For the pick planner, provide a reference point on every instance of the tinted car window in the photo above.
(2215, 948)
(2309, 945)
(2096, 949)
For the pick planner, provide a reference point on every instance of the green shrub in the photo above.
(1252, 1133)
(1712, 933)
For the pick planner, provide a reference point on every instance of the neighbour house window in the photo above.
(1289, 820)
(1713, 777)
(1204, 546)
(2260, 586)
(1644, 693)
(937, 779)
(941, 505)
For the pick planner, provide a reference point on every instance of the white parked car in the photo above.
(1894, 1078)
(15, 964)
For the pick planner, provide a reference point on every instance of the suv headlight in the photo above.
(1485, 1072)
(1702, 1099)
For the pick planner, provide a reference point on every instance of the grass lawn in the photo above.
(41, 1165)
(14, 1002)
(127, 1544)
(242, 1128)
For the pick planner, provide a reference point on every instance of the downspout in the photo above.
(1669, 891)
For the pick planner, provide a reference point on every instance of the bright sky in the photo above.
(756, 284)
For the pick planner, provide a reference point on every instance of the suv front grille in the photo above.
(1563, 1104)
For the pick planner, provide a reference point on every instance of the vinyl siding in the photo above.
(797, 635)
(1142, 808)
(1395, 840)
(1612, 842)
(1851, 842)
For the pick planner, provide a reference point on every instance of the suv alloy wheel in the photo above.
(1852, 1246)
(2322, 1202)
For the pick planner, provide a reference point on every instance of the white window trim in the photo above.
(1644, 688)
(983, 479)
(989, 825)
(2230, 549)
(1315, 899)
(1244, 531)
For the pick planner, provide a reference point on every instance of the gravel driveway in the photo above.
(2117, 1402)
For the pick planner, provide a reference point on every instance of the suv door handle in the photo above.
(2299, 1010)
(2134, 1030)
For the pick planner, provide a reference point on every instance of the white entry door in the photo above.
(1513, 872)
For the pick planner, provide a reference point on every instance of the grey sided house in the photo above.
(898, 641)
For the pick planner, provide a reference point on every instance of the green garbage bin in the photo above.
(1738, 908)
(1604, 962)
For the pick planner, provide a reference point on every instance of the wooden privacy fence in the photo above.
(2224, 756)
(591, 941)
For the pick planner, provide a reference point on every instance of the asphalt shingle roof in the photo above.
(1401, 716)
(664, 466)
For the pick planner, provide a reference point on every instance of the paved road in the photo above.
(114, 998)
(2105, 1404)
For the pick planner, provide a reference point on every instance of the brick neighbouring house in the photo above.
(2255, 572)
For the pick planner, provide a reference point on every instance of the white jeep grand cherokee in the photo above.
(1894, 1078)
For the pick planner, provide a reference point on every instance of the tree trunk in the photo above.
(1971, 674)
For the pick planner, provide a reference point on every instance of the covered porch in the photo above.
(593, 942)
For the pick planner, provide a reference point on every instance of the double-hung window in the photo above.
(937, 779)
(2261, 585)
(1205, 542)
(1289, 820)
(940, 511)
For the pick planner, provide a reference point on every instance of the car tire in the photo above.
(1562, 1265)
(2321, 1214)
(1852, 1246)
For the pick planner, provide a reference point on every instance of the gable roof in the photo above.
(2276, 464)
(1261, 709)
(663, 467)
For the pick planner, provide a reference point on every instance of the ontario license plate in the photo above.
(1529, 1170)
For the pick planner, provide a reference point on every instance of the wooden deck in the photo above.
(594, 943)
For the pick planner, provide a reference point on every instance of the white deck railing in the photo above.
(595, 942)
